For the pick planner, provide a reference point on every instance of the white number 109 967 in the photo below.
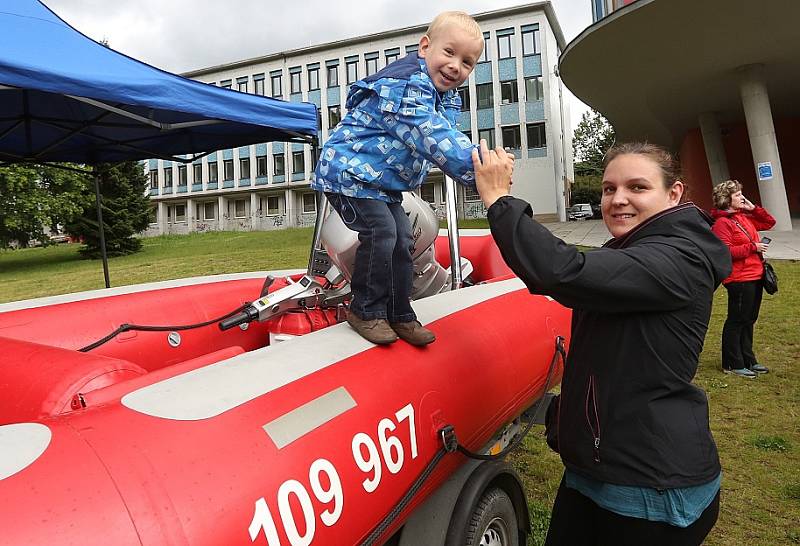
(368, 456)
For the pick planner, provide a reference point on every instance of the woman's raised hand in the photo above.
(493, 170)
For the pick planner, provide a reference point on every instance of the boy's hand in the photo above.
(493, 170)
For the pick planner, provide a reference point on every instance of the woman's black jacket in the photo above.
(629, 413)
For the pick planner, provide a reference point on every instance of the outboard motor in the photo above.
(340, 242)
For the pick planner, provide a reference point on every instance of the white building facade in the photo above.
(513, 98)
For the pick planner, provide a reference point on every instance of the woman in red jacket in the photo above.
(737, 224)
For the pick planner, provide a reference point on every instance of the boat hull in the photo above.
(307, 441)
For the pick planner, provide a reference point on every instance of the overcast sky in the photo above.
(181, 35)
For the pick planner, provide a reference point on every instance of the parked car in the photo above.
(580, 211)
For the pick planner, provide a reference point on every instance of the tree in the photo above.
(126, 211)
(35, 197)
(593, 137)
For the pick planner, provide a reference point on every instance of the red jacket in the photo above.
(747, 264)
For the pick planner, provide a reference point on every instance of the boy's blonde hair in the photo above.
(460, 19)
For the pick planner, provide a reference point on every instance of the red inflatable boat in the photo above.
(290, 430)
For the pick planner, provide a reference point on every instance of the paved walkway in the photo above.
(785, 245)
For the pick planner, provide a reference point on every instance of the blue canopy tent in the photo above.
(66, 98)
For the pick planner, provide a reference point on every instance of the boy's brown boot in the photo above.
(413, 332)
(376, 330)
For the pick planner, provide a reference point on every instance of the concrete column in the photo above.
(254, 223)
(222, 210)
(761, 130)
(190, 215)
(715, 151)
(162, 218)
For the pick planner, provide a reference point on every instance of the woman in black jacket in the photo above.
(641, 466)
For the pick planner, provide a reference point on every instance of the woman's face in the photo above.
(737, 200)
(633, 191)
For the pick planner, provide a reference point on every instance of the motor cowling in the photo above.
(340, 242)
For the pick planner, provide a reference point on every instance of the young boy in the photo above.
(398, 121)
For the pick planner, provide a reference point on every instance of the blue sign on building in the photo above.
(765, 171)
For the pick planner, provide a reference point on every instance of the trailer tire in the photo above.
(494, 521)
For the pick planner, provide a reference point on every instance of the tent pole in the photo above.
(100, 227)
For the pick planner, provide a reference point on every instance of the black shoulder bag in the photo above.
(769, 279)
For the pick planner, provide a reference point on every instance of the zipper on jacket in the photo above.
(594, 419)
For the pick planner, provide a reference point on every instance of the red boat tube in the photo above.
(312, 440)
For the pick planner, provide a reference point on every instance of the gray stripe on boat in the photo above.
(209, 391)
(135, 288)
(300, 421)
(20, 445)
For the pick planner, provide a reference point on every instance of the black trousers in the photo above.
(744, 302)
(578, 521)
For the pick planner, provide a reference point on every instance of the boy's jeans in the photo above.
(383, 272)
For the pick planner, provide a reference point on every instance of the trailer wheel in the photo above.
(494, 521)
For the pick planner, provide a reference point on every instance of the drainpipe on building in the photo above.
(561, 181)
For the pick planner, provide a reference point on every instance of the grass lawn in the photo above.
(755, 422)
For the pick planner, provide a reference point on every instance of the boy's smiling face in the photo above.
(450, 56)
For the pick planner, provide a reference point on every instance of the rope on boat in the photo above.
(450, 444)
(559, 351)
(144, 328)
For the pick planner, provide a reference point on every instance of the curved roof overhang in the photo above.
(653, 66)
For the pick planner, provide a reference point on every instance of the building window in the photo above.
(209, 210)
(168, 177)
(488, 136)
(298, 162)
(180, 213)
(334, 116)
(333, 75)
(413, 48)
(486, 55)
(295, 85)
(371, 60)
(463, 92)
(227, 169)
(197, 173)
(471, 195)
(154, 179)
(241, 86)
(505, 44)
(272, 204)
(313, 78)
(537, 138)
(508, 92)
(279, 164)
(352, 71)
(468, 134)
(277, 90)
(259, 83)
(226, 84)
(240, 208)
(183, 177)
(511, 137)
(213, 172)
(392, 55)
(153, 215)
(244, 167)
(533, 89)
(485, 95)
(309, 203)
(428, 193)
(261, 165)
(530, 41)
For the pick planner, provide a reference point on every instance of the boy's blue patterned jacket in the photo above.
(396, 125)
